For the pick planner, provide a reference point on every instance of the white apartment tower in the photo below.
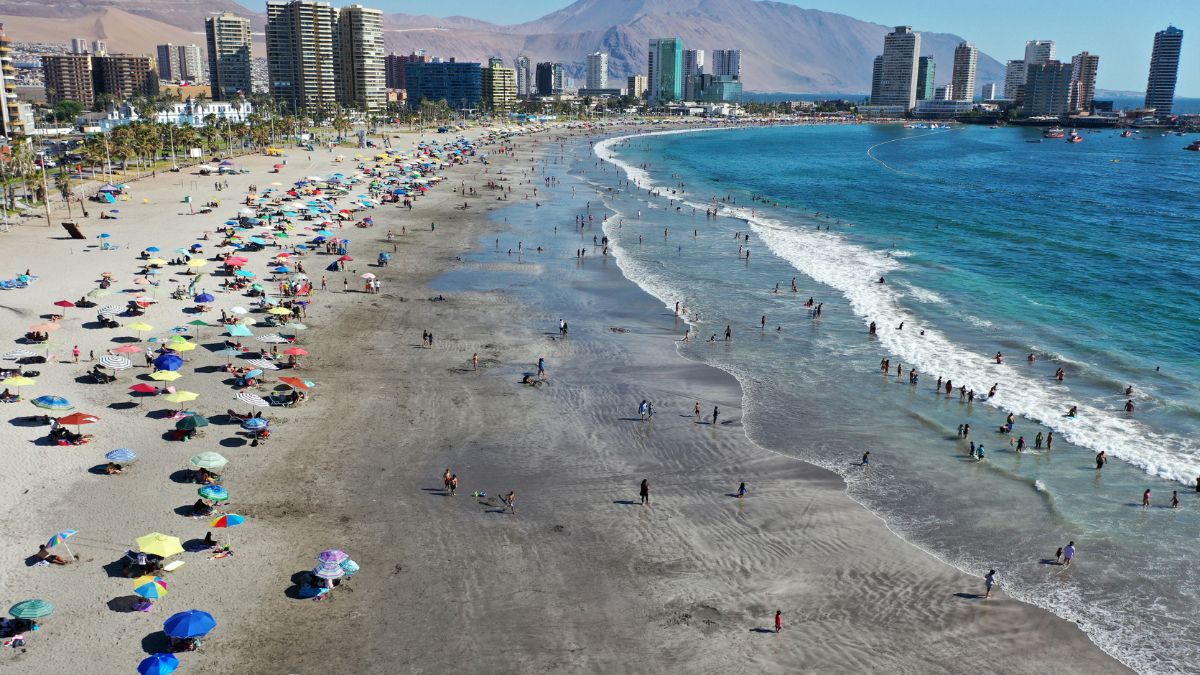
(962, 82)
(1083, 81)
(897, 70)
(726, 62)
(178, 63)
(362, 83)
(524, 77)
(1014, 80)
(597, 70)
(693, 64)
(228, 39)
(1164, 70)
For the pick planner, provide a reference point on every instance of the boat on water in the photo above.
(1054, 132)
(1194, 147)
(1126, 134)
(1074, 137)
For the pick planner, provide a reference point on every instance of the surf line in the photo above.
(871, 151)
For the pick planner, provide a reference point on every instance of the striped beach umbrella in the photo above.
(252, 399)
(272, 338)
(150, 587)
(115, 362)
(214, 493)
(53, 403)
(31, 609)
(158, 664)
(263, 363)
(121, 456)
(227, 520)
(61, 538)
(213, 461)
(332, 556)
(21, 354)
(329, 571)
(110, 310)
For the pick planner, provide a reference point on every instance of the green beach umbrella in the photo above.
(209, 460)
(31, 609)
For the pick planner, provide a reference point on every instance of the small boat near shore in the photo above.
(1194, 147)
(1054, 132)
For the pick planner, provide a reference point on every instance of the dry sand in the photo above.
(581, 579)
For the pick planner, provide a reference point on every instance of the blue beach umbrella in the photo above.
(214, 492)
(153, 249)
(53, 403)
(168, 362)
(121, 455)
(238, 330)
(257, 372)
(231, 222)
(190, 624)
(255, 424)
(243, 273)
(204, 298)
(158, 664)
(280, 270)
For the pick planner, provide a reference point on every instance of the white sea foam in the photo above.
(923, 295)
(854, 270)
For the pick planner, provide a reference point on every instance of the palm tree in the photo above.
(62, 181)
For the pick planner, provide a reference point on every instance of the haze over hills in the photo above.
(785, 47)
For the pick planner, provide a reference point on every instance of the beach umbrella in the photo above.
(109, 310)
(166, 375)
(204, 298)
(214, 493)
(150, 587)
(140, 326)
(346, 258)
(156, 261)
(327, 571)
(197, 262)
(121, 456)
(257, 372)
(279, 311)
(61, 538)
(177, 330)
(212, 461)
(191, 423)
(128, 349)
(252, 399)
(332, 556)
(198, 322)
(64, 304)
(143, 388)
(255, 424)
(272, 338)
(243, 273)
(162, 545)
(53, 403)
(47, 327)
(181, 397)
(238, 330)
(158, 664)
(18, 381)
(25, 353)
(153, 249)
(295, 351)
(227, 521)
(78, 420)
(31, 609)
(180, 346)
(190, 624)
(368, 275)
(98, 293)
(295, 382)
(168, 362)
(115, 362)
(263, 363)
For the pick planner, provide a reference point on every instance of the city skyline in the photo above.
(1124, 38)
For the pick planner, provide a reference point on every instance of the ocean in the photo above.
(1083, 255)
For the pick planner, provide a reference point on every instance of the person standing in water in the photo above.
(728, 333)
(715, 413)
(644, 492)
(1068, 554)
(1146, 499)
(989, 581)
(1101, 460)
(1174, 499)
(741, 491)
(866, 458)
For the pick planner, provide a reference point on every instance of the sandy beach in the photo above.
(581, 578)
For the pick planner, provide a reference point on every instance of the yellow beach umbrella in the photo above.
(156, 261)
(19, 381)
(182, 396)
(140, 326)
(156, 543)
(180, 346)
(165, 375)
(197, 262)
(279, 310)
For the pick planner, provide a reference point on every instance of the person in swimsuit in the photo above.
(1146, 499)
(989, 580)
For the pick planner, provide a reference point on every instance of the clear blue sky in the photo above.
(1120, 31)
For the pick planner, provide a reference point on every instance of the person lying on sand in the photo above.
(45, 555)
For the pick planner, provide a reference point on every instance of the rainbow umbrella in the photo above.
(150, 587)
(227, 520)
(158, 664)
(61, 538)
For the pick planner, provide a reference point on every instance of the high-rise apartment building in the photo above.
(1083, 81)
(125, 76)
(179, 63)
(1014, 81)
(458, 84)
(989, 92)
(693, 65)
(635, 85)
(498, 87)
(1047, 89)
(12, 122)
(301, 48)
(228, 39)
(362, 84)
(79, 45)
(726, 62)
(394, 67)
(962, 78)
(897, 85)
(926, 72)
(1164, 70)
(1038, 51)
(549, 79)
(99, 48)
(525, 84)
(597, 71)
(69, 78)
(664, 70)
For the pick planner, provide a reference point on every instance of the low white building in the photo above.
(195, 113)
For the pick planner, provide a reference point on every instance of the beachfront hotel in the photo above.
(363, 82)
(894, 76)
(1164, 70)
(597, 71)
(962, 77)
(664, 70)
(228, 39)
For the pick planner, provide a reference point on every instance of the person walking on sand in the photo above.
(75, 353)
(510, 502)
(778, 621)
(644, 492)
(446, 479)
(741, 491)
(989, 581)
(642, 408)
(475, 361)
(696, 411)
(716, 412)
(345, 285)
(541, 365)
(1068, 554)
(454, 484)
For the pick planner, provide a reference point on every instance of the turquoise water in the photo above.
(1084, 255)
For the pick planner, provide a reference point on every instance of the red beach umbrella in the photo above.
(295, 351)
(294, 382)
(346, 258)
(143, 388)
(64, 303)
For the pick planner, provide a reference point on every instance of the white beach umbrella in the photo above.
(115, 362)
(263, 363)
(272, 338)
(252, 399)
(19, 354)
(109, 310)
